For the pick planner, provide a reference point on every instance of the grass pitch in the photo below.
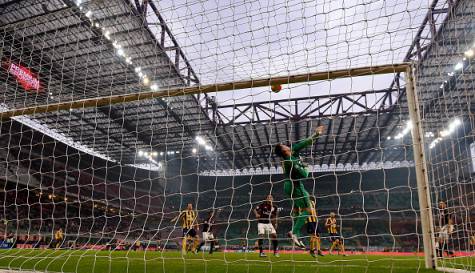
(90, 261)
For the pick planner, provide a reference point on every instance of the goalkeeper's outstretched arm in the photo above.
(308, 141)
(285, 152)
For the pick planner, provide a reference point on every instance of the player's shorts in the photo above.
(334, 237)
(208, 236)
(189, 232)
(445, 231)
(263, 229)
(296, 191)
(312, 229)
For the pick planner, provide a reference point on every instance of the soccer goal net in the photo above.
(236, 136)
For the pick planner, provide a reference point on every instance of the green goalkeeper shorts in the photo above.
(299, 195)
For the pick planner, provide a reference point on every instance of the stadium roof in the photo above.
(88, 49)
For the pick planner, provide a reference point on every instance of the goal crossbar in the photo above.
(201, 89)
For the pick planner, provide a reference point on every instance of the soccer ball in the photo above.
(276, 88)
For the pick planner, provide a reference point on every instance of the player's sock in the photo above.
(201, 245)
(183, 245)
(194, 247)
(300, 222)
(275, 245)
(317, 244)
(312, 246)
(260, 242)
(211, 247)
(334, 246)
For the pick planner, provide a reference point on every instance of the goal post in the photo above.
(422, 178)
(423, 187)
(202, 89)
(278, 136)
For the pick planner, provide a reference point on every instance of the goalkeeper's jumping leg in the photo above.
(300, 213)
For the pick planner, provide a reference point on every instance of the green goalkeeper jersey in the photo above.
(293, 166)
(295, 171)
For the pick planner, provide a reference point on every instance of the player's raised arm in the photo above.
(176, 218)
(308, 141)
(256, 213)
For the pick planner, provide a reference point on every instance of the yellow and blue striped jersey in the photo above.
(313, 213)
(188, 218)
(331, 225)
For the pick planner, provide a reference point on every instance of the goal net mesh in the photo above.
(105, 187)
(446, 105)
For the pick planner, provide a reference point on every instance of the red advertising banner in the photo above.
(27, 79)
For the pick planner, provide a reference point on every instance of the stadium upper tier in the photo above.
(90, 49)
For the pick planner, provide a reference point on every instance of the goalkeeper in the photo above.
(296, 172)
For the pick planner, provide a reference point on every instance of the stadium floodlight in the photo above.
(434, 142)
(208, 148)
(141, 153)
(145, 80)
(154, 154)
(88, 14)
(469, 53)
(404, 132)
(455, 123)
(194, 150)
(97, 25)
(107, 34)
(154, 87)
(451, 128)
(120, 52)
(78, 2)
(138, 69)
(161, 153)
(200, 140)
(388, 138)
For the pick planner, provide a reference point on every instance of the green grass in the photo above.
(147, 262)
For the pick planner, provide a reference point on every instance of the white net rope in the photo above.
(141, 186)
(448, 123)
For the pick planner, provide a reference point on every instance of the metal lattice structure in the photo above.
(31, 31)
(357, 127)
(199, 149)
